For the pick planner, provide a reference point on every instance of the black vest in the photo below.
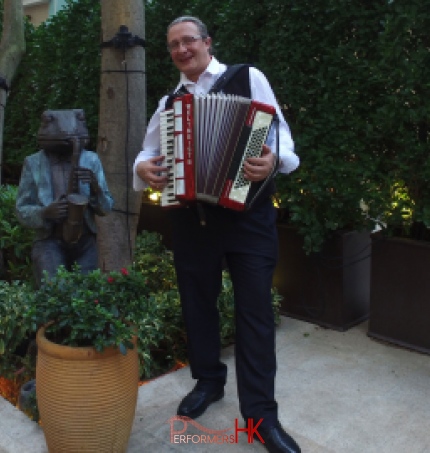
(239, 84)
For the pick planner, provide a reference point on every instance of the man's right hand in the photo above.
(57, 210)
(153, 173)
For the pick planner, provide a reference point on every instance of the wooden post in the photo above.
(122, 122)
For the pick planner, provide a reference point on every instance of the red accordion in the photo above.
(205, 141)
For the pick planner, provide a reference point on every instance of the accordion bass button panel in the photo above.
(257, 138)
(167, 149)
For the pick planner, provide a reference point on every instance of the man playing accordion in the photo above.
(205, 236)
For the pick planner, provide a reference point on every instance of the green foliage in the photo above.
(276, 302)
(226, 309)
(14, 326)
(355, 114)
(1, 15)
(149, 242)
(352, 79)
(403, 122)
(15, 240)
(61, 69)
(327, 93)
(162, 339)
(161, 331)
(155, 261)
(93, 309)
(105, 310)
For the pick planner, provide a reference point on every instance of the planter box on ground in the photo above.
(331, 288)
(400, 292)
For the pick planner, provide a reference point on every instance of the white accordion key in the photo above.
(167, 149)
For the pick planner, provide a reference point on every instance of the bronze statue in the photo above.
(62, 188)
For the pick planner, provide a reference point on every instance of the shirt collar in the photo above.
(213, 70)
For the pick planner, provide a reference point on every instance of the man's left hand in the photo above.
(259, 168)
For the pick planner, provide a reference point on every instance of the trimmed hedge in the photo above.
(352, 77)
(61, 69)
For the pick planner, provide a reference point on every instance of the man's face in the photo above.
(190, 58)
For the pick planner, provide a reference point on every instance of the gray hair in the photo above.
(203, 30)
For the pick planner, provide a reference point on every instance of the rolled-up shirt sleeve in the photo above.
(261, 91)
(151, 145)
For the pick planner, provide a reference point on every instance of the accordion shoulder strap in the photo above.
(228, 74)
(174, 94)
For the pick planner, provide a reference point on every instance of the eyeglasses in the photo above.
(186, 41)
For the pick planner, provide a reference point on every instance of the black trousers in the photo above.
(248, 243)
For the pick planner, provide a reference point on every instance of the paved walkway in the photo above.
(338, 392)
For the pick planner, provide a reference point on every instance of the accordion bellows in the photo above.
(205, 141)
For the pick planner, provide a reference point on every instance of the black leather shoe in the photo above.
(276, 440)
(198, 400)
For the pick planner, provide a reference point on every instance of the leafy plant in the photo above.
(161, 332)
(104, 310)
(155, 262)
(352, 81)
(227, 311)
(61, 53)
(15, 240)
(403, 122)
(15, 328)
(93, 309)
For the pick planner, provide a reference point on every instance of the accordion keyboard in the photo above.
(167, 149)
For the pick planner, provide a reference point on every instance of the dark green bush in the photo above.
(155, 261)
(351, 76)
(15, 329)
(401, 120)
(15, 240)
(161, 331)
(61, 69)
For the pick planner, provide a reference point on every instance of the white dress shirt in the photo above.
(260, 91)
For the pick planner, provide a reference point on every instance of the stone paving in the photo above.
(338, 392)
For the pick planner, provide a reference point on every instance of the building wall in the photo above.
(40, 10)
(37, 13)
(55, 6)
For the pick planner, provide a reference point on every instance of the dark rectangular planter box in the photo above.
(331, 288)
(400, 292)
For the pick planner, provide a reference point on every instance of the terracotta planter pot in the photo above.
(86, 399)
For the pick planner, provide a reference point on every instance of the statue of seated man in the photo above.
(61, 189)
